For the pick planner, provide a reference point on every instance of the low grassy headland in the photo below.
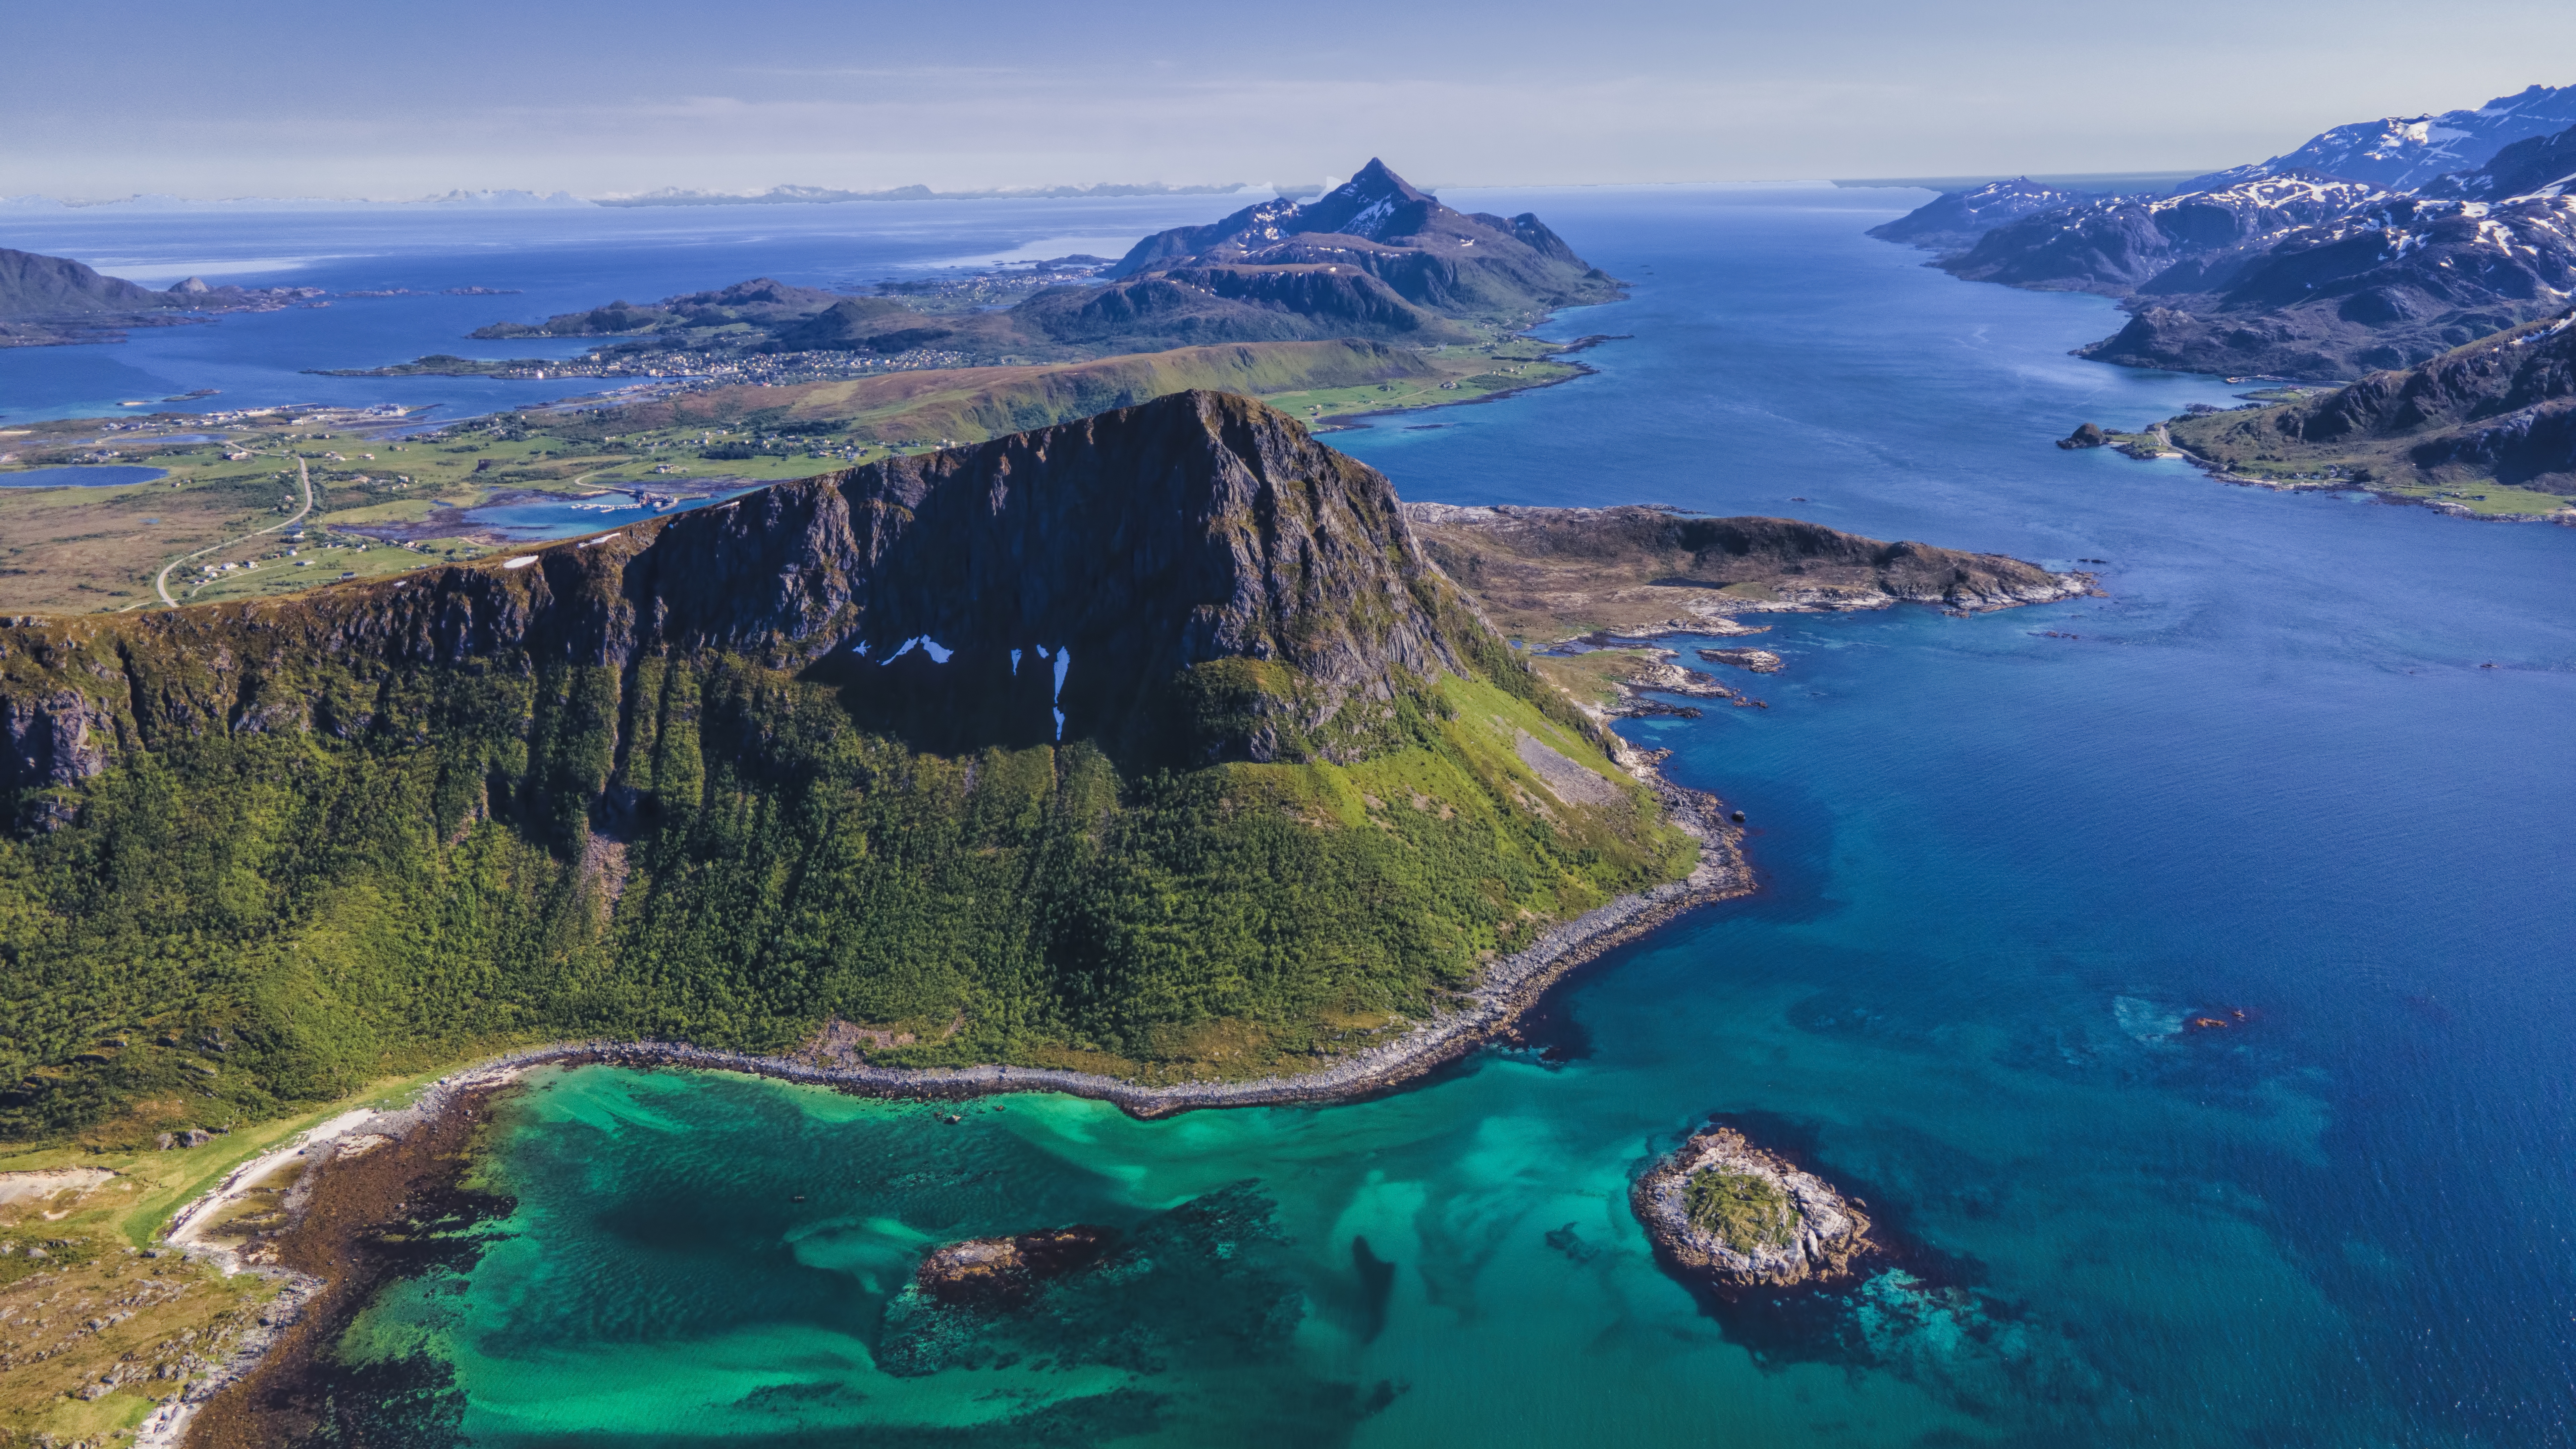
(1727, 1215)
(1546, 575)
(2487, 430)
(263, 852)
(93, 1332)
(99, 1321)
(1588, 590)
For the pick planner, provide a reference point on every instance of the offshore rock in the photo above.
(1759, 661)
(1733, 1216)
(1007, 1272)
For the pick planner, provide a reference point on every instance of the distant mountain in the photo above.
(2373, 246)
(519, 199)
(1954, 220)
(2539, 166)
(2401, 153)
(2391, 284)
(2501, 410)
(35, 287)
(1379, 227)
(53, 301)
(761, 302)
(808, 195)
(2121, 244)
(1375, 259)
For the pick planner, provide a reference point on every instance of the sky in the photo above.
(291, 98)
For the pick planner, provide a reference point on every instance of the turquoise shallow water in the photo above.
(2270, 772)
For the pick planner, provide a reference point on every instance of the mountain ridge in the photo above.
(2376, 245)
(2401, 153)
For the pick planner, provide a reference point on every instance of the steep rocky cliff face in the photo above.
(1064, 583)
(1152, 743)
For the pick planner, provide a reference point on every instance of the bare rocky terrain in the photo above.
(1551, 574)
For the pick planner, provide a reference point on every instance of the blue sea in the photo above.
(551, 260)
(2308, 760)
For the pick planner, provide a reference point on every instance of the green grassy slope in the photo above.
(333, 839)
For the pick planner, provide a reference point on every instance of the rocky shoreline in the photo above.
(1729, 1216)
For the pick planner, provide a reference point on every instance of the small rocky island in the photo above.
(1729, 1215)
(1001, 1273)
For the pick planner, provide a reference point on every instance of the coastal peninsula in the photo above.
(2486, 430)
(1590, 590)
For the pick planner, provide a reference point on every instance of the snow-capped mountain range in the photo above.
(2378, 245)
(2406, 152)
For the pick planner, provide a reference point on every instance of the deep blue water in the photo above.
(2275, 771)
(105, 475)
(560, 260)
(2271, 772)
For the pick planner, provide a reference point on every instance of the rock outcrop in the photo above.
(56, 737)
(1732, 1216)
(1004, 1273)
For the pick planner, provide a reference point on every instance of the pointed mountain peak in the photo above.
(1377, 181)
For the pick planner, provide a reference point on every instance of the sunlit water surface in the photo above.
(2271, 771)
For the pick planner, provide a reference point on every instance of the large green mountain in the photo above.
(1151, 742)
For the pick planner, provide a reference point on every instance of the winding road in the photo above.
(303, 472)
